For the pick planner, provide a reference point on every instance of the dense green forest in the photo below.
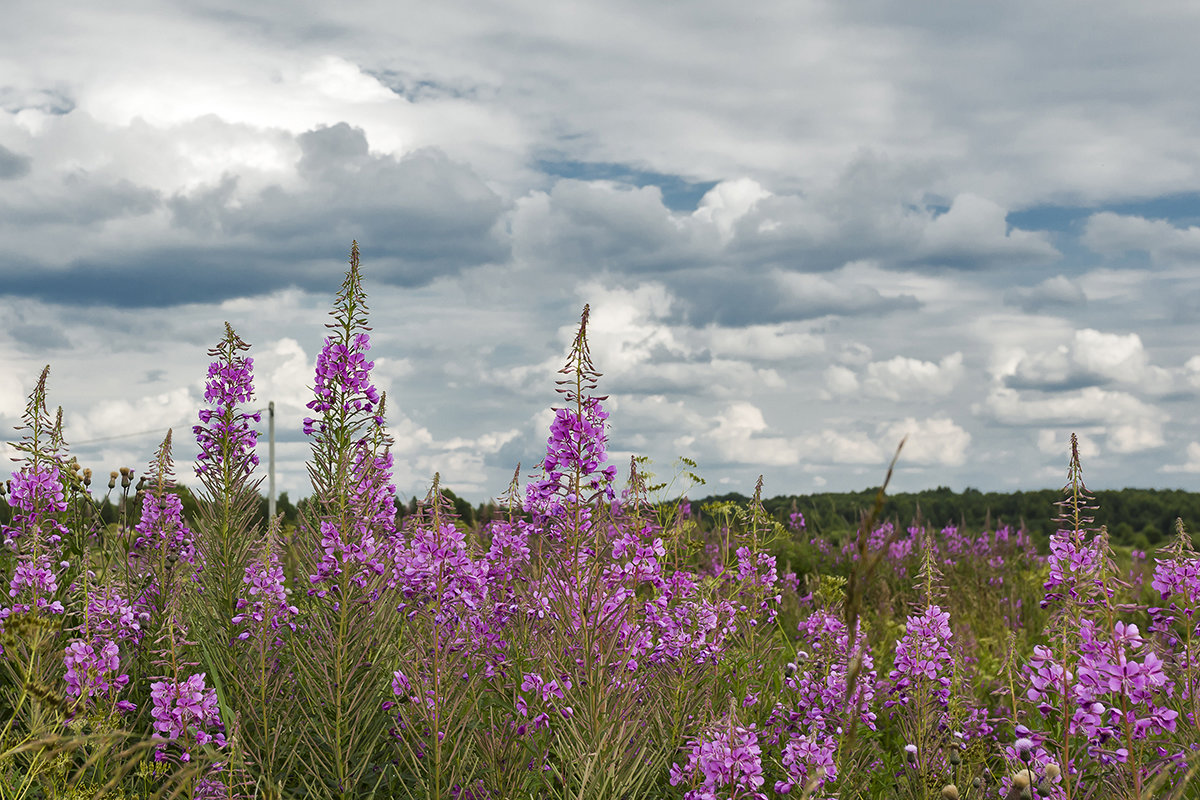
(1140, 518)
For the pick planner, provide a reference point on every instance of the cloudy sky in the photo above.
(806, 229)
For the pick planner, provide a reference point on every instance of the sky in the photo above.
(805, 229)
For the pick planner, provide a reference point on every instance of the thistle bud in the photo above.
(112, 479)
(955, 757)
(126, 477)
(141, 483)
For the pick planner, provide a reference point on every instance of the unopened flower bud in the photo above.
(172, 558)
(955, 757)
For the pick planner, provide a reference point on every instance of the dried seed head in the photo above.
(949, 792)
(126, 472)
(1051, 771)
(1022, 779)
(87, 476)
(112, 479)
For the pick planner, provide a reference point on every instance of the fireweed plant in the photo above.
(591, 640)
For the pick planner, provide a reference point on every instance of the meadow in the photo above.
(598, 638)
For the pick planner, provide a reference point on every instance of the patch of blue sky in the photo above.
(679, 193)
(1181, 210)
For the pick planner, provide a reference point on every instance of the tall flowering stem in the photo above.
(32, 570)
(183, 708)
(351, 628)
(162, 537)
(228, 497)
(1176, 618)
(226, 533)
(38, 500)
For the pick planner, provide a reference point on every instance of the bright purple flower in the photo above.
(186, 709)
(923, 658)
(162, 530)
(343, 381)
(577, 444)
(268, 606)
(92, 672)
(722, 758)
(224, 435)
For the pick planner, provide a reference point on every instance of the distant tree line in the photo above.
(1140, 518)
(111, 508)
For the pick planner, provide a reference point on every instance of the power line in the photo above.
(118, 436)
(136, 433)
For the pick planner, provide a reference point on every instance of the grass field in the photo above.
(597, 639)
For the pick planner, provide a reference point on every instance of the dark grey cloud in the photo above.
(416, 219)
(421, 216)
(158, 276)
(727, 297)
(13, 165)
(79, 198)
(1072, 381)
(585, 226)
(35, 336)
